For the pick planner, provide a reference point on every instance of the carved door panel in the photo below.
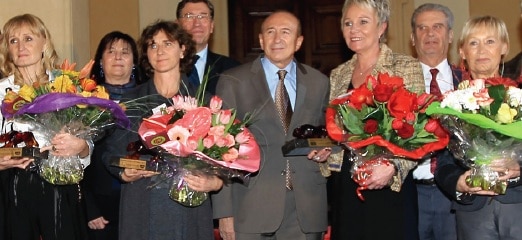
(323, 46)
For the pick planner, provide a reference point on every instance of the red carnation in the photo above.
(371, 126)
(382, 92)
(360, 96)
(406, 131)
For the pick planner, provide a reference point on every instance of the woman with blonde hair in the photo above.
(481, 214)
(390, 208)
(34, 208)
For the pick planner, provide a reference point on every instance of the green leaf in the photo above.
(376, 114)
(497, 92)
(351, 119)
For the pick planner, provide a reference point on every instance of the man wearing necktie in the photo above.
(432, 35)
(286, 199)
(197, 18)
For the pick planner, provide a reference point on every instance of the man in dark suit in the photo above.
(432, 35)
(197, 18)
(286, 198)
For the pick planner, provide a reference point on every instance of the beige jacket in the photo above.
(395, 64)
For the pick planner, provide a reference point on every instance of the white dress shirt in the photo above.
(445, 81)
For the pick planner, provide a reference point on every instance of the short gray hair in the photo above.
(433, 7)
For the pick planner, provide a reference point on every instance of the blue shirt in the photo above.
(272, 78)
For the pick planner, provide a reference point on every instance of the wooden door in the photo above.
(323, 46)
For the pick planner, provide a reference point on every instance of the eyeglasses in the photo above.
(204, 17)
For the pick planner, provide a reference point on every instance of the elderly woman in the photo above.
(147, 212)
(389, 211)
(116, 68)
(482, 214)
(37, 209)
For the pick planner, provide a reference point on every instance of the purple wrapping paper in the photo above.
(57, 101)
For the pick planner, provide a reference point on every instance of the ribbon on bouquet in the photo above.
(58, 101)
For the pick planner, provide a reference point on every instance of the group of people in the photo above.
(287, 197)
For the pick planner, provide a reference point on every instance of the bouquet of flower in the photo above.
(69, 103)
(200, 140)
(382, 119)
(484, 119)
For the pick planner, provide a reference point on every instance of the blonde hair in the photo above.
(489, 22)
(381, 7)
(38, 28)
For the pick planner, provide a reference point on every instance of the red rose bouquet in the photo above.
(380, 120)
(200, 140)
(485, 121)
(69, 103)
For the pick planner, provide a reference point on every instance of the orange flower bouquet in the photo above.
(381, 120)
(69, 103)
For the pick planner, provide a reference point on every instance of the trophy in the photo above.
(134, 159)
(13, 138)
(308, 138)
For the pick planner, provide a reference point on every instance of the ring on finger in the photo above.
(316, 158)
(53, 148)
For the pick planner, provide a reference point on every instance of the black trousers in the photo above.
(383, 215)
(38, 210)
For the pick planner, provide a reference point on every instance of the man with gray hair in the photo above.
(431, 36)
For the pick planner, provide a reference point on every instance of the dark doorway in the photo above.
(323, 47)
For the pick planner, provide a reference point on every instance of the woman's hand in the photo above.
(321, 155)
(507, 168)
(203, 183)
(131, 175)
(66, 145)
(7, 162)
(380, 177)
(98, 223)
(463, 187)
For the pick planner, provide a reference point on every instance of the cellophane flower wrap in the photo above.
(70, 103)
(200, 140)
(381, 120)
(485, 121)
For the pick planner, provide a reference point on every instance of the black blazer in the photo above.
(216, 64)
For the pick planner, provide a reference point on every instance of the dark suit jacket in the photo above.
(448, 172)
(259, 206)
(216, 64)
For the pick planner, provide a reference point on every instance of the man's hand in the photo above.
(226, 228)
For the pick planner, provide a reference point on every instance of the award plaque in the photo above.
(308, 138)
(138, 164)
(30, 152)
(301, 147)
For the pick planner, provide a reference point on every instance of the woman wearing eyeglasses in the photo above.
(146, 212)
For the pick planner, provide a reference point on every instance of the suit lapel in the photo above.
(457, 76)
(302, 84)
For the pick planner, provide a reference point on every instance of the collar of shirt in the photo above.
(272, 78)
(201, 62)
(444, 77)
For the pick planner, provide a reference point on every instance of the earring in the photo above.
(182, 56)
(132, 77)
(101, 71)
